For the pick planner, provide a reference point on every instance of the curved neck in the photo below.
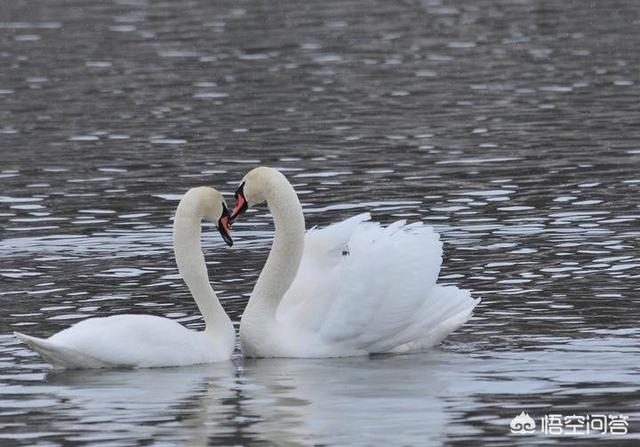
(286, 252)
(192, 268)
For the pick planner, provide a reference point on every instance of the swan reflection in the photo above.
(410, 399)
(345, 401)
(300, 401)
(183, 403)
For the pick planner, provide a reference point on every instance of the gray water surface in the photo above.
(510, 126)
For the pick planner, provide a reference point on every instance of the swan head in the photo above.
(255, 188)
(208, 203)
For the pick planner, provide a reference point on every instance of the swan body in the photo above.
(138, 341)
(352, 288)
(127, 341)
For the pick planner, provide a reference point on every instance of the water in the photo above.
(511, 127)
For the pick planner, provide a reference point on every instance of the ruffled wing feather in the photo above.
(371, 288)
(313, 290)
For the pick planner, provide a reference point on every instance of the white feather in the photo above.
(364, 287)
(126, 341)
(352, 288)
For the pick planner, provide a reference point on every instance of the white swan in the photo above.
(353, 288)
(138, 341)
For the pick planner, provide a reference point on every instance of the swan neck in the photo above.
(286, 252)
(190, 260)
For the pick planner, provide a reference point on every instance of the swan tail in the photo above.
(61, 356)
(444, 311)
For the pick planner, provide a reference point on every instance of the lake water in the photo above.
(510, 126)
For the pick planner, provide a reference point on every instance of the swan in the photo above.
(139, 341)
(352, 288)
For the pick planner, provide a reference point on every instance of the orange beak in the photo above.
(241, 203)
